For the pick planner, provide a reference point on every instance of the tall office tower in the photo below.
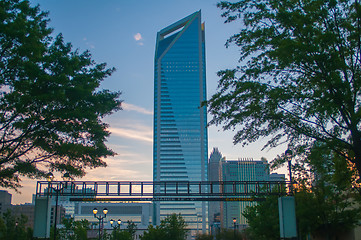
(241, 170)
(180, 134)
(214, 175)
(221, 214)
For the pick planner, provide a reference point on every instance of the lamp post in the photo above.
(288, 155)
(100, 217)
(119, 223)
(50, 178)
(234, 227)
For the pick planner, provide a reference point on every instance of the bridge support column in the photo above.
(287, 217)
(42, 217)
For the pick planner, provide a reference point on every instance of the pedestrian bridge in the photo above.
(162, 191)
(107, 191)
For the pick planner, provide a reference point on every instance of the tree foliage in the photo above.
(172, 227)
(124, 234)
(223, 234)
(299, 79)
(120, 234)
(327, 203)
(73, 230)
(51, 106)
(13, 227)
(154, 233)
(131, 228)
(263, 219)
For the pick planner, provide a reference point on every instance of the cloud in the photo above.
(136, 134)
(88, 44)
(138, 37)
(131, 107)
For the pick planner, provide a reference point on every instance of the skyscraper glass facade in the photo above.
(241, 170)
(180, 135)
(221, 214)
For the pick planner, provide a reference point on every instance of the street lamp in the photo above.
(288, 155)
(112, 221)
(234, 227)
(119, 223)
(100, 217)
(50, 178)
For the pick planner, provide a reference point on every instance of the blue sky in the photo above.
(123, 34)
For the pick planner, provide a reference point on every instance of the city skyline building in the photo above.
(221, 214)
(180, 147)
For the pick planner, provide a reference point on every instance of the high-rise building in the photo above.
(214, 175)
(241, 170)
(5, 201)
(180, 134)
(221, 214)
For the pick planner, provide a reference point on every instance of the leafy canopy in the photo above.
(73, 230)
(326, 199)
(299, 79)
(172, 227)
(51, 107)
(14, 227)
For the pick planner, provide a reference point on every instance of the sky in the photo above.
(123, 35)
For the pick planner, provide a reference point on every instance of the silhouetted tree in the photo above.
(299, 79)
(51, 107)
(172, 227)
(327, 203)
(73, 230)
(12, 227)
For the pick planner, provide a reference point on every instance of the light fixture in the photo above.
(105, 211)
(95, 211)
(288, 153)
(50, 177)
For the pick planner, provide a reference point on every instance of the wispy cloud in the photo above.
(136, 134)
(138, 38)
(89, 44)
(131, 107)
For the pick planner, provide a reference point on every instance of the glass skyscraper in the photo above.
(180, 134)
(221, 214)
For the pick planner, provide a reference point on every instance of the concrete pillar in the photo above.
(42, 217)
(287, 215)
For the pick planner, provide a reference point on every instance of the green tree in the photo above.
(263, 219)
(120, 234)
(299, 79)
(73, 230)
(131, 228)
(172, 227)
(229, 234)
(204, 236)
(12, 227)
(326, 200)
(329, 205)
(154, 233)
(51, 107)
(223, 234)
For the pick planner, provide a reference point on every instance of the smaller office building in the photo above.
(138, 213)
(221, 214)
